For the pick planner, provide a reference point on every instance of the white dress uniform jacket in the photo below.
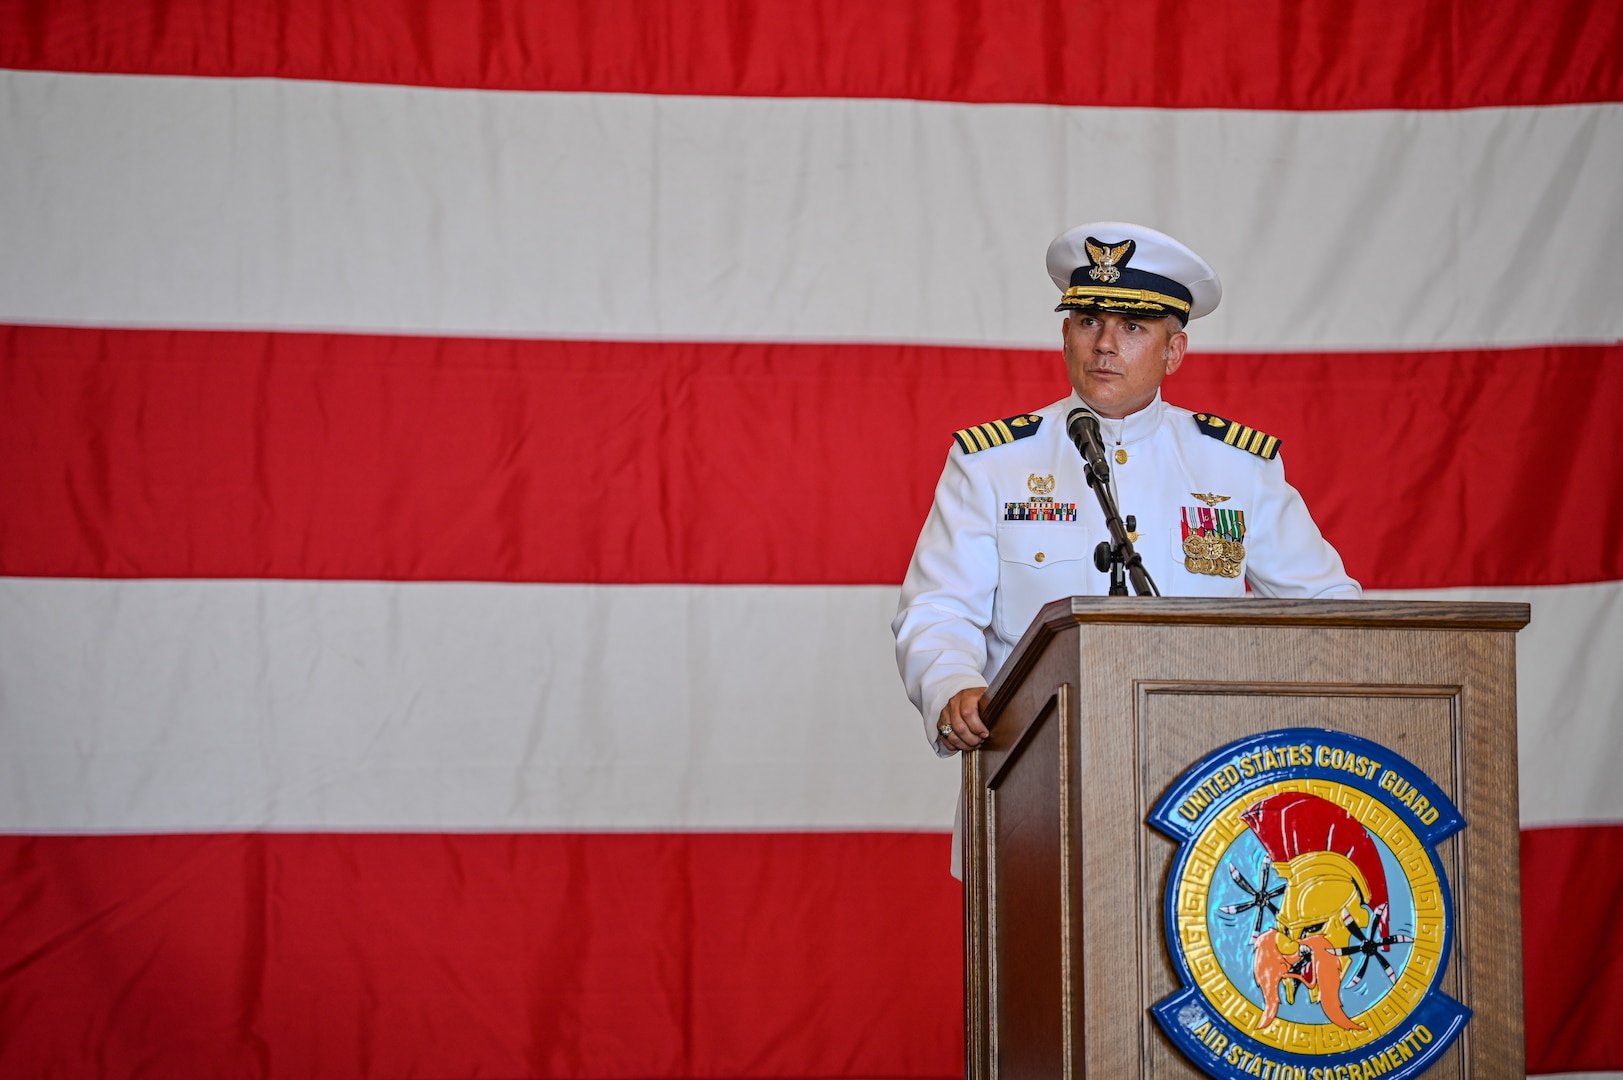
(977, 580)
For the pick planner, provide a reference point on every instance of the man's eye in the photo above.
(1132, 326)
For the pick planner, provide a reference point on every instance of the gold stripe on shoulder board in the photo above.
(1002, 432)
(1240, 436)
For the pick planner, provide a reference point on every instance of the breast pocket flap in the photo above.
(1041, 545)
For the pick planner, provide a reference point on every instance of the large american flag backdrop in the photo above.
(457, 462)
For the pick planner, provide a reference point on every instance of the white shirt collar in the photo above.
(1130, 429)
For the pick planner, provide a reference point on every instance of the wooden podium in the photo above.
(1107, 701)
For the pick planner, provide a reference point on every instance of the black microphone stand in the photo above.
(1116, 556)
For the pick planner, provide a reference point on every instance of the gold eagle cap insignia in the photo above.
(1040, 485)
(1105, 257)
(1211, 500)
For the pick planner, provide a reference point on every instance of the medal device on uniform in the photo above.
(1213, 538)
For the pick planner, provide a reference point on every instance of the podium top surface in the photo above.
(1198, 611)
(1171, 610)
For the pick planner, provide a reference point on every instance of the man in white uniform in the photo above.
(1014, 523)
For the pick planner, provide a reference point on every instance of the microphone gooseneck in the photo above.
(1116, 556)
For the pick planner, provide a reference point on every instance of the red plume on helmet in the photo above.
(1293, 823)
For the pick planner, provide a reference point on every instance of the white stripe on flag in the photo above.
(283, 204)
(219, 705)
(206, 705)
(1569, 697)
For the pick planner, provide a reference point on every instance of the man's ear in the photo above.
(1176, 344)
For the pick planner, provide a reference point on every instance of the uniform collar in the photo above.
(1129, 429)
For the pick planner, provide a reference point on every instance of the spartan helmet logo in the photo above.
(1334, 892)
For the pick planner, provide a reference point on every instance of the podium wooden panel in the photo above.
(1107, 701)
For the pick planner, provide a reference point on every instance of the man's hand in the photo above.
(963, 715)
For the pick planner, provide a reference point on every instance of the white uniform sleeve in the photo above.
(946, 602)
(1286, 555)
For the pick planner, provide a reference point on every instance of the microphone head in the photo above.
(1080, 420)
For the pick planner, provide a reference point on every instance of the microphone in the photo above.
(1116, 555)
(1083, 428)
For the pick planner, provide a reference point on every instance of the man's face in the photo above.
(1116, 362)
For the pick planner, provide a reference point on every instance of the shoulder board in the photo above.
(1238, 435)
(997, 432)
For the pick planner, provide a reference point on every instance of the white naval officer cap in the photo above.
(1131, 270)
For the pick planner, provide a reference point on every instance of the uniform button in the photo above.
(1041, 556)
(1121, 457)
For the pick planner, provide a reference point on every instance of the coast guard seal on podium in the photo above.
(1307, 912)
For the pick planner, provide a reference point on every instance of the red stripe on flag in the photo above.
(1266, 54)
(1572, 891)
(604, 955)
(833, 955)
(320, 456)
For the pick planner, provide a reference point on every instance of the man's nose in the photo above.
(1106, 341)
